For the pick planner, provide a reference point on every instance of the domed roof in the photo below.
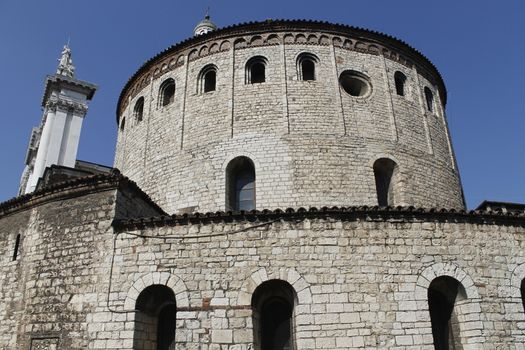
(204, 26)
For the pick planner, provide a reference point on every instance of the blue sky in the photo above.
(478, 46)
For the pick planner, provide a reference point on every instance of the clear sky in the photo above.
(478, 46)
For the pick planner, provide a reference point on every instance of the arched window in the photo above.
(256, 70)
(306, 63)
(167, 92)
(240, 184)
(156, 318)
(138, 110)
(385, 171)
(273, 307)
(400, 80)
(17, 245)
(443, 294)
(122, 123)
(429, 97)
(208, 78)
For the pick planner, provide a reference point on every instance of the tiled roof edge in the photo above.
(354, 212)
(267, 24)
(74, 188)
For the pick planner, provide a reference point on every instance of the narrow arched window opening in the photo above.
(306, 66)
(17, 246)
(155, 319)
(400, 81)
(443, 293)
(385, 172)
(429, 97)
(273, 308)
(167, 92)
(208, 79)
(240, 184)
(256, 70)
(308, 70)
(138, 110)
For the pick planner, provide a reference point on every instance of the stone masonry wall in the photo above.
(312, 143)
(359, 283)
(60, 274)
(361, 279)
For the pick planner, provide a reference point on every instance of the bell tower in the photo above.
(55, 141)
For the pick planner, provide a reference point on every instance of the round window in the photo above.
(355, 83)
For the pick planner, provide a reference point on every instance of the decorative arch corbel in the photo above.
(299, 284)
(444, 269)
(175, 283)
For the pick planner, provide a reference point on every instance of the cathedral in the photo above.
(277, 185)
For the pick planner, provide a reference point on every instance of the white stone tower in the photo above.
(55, 141)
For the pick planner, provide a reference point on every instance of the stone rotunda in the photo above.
(278, 185)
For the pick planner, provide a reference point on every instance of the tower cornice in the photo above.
(56, 81)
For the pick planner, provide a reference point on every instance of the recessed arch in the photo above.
(300, 39)
(256, 40)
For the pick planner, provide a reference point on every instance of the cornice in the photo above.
(57, 79)
(67, 105)
(355, 213)
(74, 188)
(143, 74)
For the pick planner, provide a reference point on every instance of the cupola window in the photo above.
(256, 70)
(167, 92)
(400, 81)
(306, 64)
(208, 78)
